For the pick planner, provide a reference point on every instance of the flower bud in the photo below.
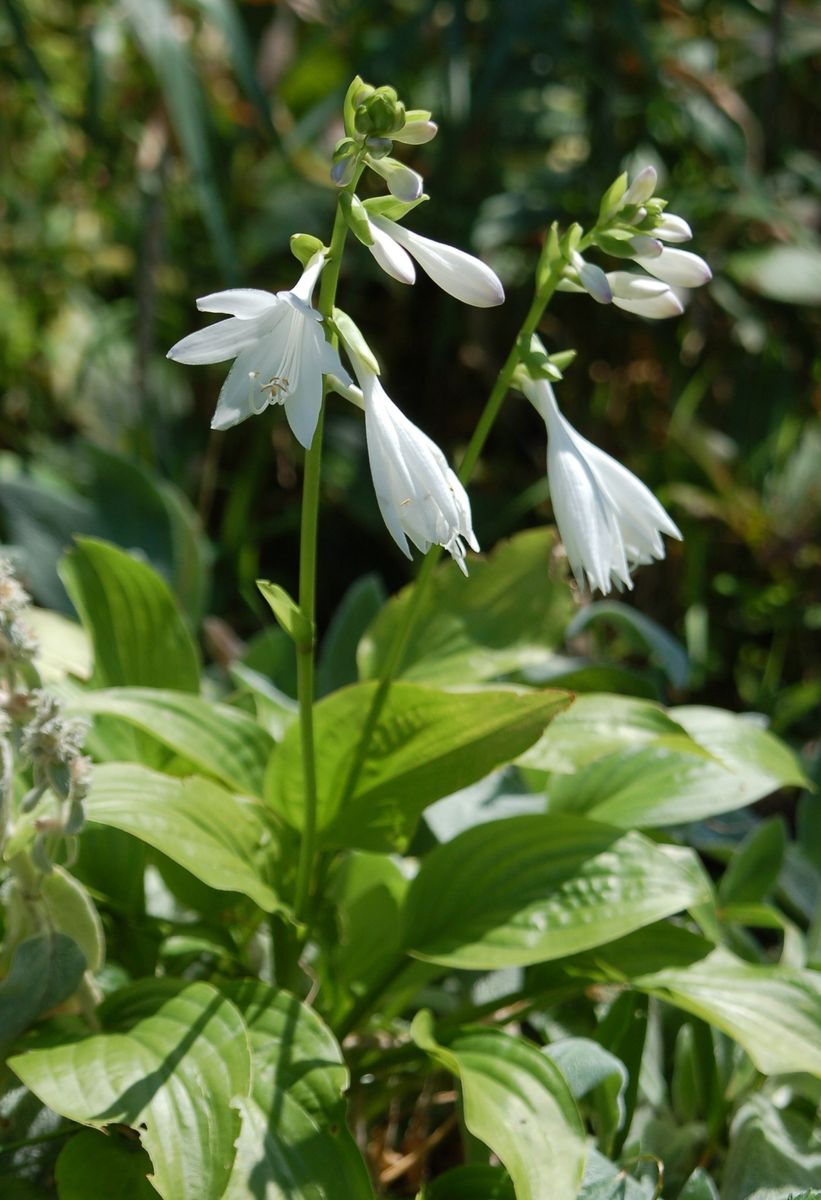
(381, 113)
(642, 187)
(403, 183)
(344, 162)
(304, 246)
(671, 228)
(645, 246)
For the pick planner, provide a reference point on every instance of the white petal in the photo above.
(239, 302)
(594, 282)
(395, 261)
(459, 274)
(678, 267)
(671, 228)
(657, 308)
(416, 133)
(636, 502)
(629, 285)
(224, 340)
(649, 247)
(243, 394)
(303, 290)
(403, 183)
(642, 187)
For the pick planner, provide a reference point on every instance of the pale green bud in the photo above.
(304, 246)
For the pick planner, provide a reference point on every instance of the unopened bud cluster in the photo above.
(374, 119)
(37, 740)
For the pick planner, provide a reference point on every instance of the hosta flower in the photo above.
(418, 494)
(609, 521)
(280, 351)
(459, 274)
(639, 294)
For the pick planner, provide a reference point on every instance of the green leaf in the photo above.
(294, 1139)
(599, 724)
(773, 1153)
(217, 739)
(426, 744)
(175, 1076)
(93, 1166)
(742, 746)
(476, 1181)
(287, 612)
(654, 785)
(755, 866)
(64, 646)
(606, 1180)
(774, 1012)
(196, 823)
(136, 628)
(510, 614)
(587, 1067)
(788, 273)
(532, 888)
(45, 971)
(517, 1102)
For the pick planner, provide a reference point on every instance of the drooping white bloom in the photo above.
(678, 267)
(647, 297)
(403, 183)
(609, 521)
(418, 494)
(459, 274)
(280, 350)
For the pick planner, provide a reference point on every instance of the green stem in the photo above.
(413, 607)
(307, 590)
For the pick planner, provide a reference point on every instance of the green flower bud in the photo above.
(304, 246)
(379, 114)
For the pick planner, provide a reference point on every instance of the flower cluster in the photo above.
(633, 225)
(17, 646)
(284, 349)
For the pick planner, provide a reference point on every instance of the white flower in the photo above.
(608, 520)
(418, 494)
(671, 228)
(640, 294)
(280, 350)
(678, 267)
(459, 274)
(642, 188)
(403, 183)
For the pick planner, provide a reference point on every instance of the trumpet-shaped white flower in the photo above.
(678, 267)
(280, 350)
(459, 274)
(418, 494)
(609, 521)
(640, 294)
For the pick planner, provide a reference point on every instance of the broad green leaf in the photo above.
(196, 823)
(774, 1012)
(217, 739)
(93, 1165)
(510, 613)
(755, 866)
(71, 911)
(596, 725)
(516, 1102)
(773, 1153)
(606, 1180)
(30, 1141)
(139, 635)
(294, 1143)
(699, 1186)
(587, 1066)
(654, 785)
(175, 1076)
(426, 744)
(742, 745)
(532, 888)
(45, 971)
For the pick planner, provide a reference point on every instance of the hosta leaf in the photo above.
(476, 1181)
(137, 630)
(772, 1153)
(294, 1143)
(173, 1076)
(426, 744)
(532, 888)
(217, 739)
(773, 1011)
(517, 1102)
(598, 724)
(195, 822)
(46, 969)
(510, 614)
(742, 746)
(71, 911)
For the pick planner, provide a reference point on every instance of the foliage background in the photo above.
(156, 151)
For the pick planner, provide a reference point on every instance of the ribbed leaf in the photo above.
(532, 888)
(193, 821)
(517, 1102)
(174, 1076)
